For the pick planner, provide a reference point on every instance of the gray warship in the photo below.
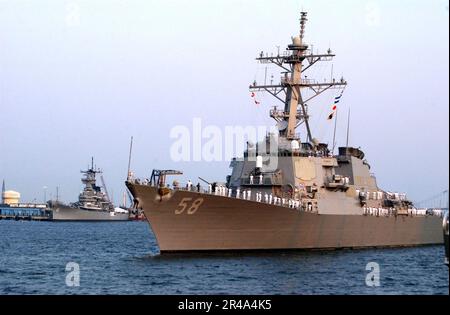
(289, 191)
(93, 204)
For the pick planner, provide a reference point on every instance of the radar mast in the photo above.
(293, 81)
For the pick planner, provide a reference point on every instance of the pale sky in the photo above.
(79, 78)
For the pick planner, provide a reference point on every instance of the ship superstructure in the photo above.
(93, 202)
(92, 197)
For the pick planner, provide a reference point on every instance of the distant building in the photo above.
(10, 197)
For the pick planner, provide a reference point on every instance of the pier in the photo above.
(29, 212)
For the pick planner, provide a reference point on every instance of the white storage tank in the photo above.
(10, 197)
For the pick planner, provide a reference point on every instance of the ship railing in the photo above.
(289, 81)
(257, 181)
(432, 212)
(294, 58)
(388, 212)
(252, 195)
(277, 113)
(379, 212)
(140, 181)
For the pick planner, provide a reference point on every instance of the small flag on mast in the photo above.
(253, 95)
(337, 99)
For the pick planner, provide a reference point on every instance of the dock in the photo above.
(30, 212)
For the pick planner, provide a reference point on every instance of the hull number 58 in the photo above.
(191, 207)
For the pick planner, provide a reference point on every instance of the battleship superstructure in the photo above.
(93, 204)
(286, 192)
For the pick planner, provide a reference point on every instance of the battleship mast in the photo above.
(295, 110)
(89, 179)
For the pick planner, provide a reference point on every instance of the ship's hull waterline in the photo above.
(229, 224)
(76, 214)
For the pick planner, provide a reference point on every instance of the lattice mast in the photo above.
(292, 83)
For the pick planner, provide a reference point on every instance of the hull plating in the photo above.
(76, 214)
(221, 223)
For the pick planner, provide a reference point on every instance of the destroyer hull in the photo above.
(76, 214)
(220, 223)
(446, 233)
(446, 248)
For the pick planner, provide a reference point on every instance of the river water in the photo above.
(123, 258)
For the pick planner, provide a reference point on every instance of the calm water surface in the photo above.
(123, 258)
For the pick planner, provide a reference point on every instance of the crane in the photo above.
(158, 177)
(104, 187)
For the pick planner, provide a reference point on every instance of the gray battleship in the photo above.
(286, 193)
(93, 204)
